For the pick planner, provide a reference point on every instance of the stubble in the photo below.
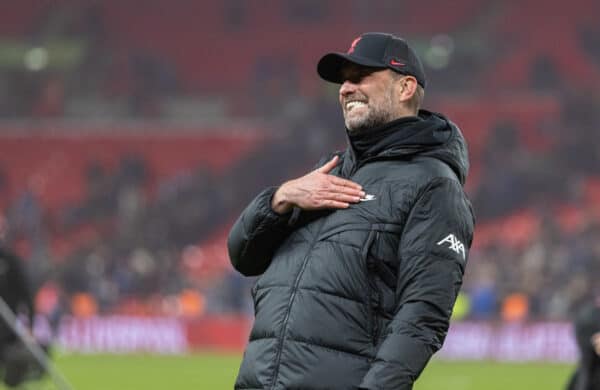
(377, 114)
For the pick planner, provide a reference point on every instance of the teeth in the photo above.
(353, 104)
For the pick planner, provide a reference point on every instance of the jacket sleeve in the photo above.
(259, 231)
(256, 235)
(433, 253)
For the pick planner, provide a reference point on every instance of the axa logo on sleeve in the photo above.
(455, 244)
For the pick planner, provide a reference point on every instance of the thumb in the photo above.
(329, 165)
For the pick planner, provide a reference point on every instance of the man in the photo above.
(16, 363)
(361, 259)
(14, 358)
(587, 334)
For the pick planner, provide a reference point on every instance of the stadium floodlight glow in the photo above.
(36, 351)
(36, 59)
(439, 52)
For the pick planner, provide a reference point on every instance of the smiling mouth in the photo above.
(354, 104)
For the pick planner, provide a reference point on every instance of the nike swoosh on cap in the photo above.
(396, 63)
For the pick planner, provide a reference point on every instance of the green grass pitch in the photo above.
(217, 371)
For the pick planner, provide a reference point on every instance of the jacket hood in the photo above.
(432, 135)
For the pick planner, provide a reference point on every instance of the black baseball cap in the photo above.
(377, 50)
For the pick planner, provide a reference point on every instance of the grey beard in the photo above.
(376, 118)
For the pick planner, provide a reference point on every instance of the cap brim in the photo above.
(330, 65)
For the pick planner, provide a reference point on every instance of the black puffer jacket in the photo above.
(14, 290)
(360, 297)
(587, 323)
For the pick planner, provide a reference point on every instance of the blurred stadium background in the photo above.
(133, 133)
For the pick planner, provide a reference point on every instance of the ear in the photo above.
(407, 87)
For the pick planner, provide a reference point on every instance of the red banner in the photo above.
(539, 341)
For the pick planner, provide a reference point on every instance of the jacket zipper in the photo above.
(289, 307)
(372, 294)
(373, 298)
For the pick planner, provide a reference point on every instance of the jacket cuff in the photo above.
(268, 216)
(398, 364)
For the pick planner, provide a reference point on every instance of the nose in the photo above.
(347, 88)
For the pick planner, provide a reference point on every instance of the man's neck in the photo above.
(362, 142)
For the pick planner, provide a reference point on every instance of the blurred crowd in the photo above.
(71, 69)
(535, 186)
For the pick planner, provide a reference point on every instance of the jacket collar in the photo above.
(431, 134)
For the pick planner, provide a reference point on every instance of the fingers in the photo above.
(319, 190)
(329, 165)
(345, 183)
(346, 191)
(337, 180)
(334, 204)
(342, 197)
(335, 199)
